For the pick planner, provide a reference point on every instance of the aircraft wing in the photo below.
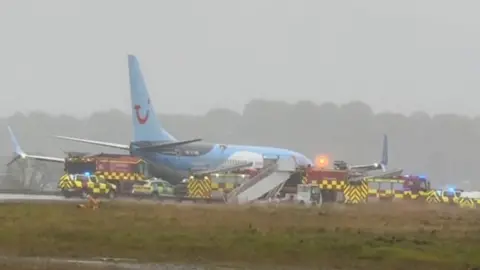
(390, 173)
(223, 169)
(155, 147)
(44, 158)
(369, 167)
(161, 146)
(106, 144)
(19, 154)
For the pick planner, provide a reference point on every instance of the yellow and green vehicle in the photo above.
(86, 184)
(153, 187)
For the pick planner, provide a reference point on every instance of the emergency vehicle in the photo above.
(336, 185)
(86, 184)
(308, 194)
(153, 187)
(398, 187)
(225, 182)
(447, 196)
(453, 196)
(331, 182)
(120, 170)
(211, 187)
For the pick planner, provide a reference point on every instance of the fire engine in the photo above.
(331, 182)
(400, 187)
(415, 183)
(120, 170)
(308, 194)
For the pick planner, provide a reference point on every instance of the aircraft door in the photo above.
(269, 160)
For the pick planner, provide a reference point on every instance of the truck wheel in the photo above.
(84, 194)
(111, 194)
(319, 202)
(66, 194)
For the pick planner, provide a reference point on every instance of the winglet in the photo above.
(16, 145)
(384, 161)
(18, 150)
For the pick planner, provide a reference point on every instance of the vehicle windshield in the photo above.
(140, 182)
(302, 188)
(452, 193)
(161, 183)
(82, 177)
(423, 184)
(229, 178)
(166, 184)
(416, 184)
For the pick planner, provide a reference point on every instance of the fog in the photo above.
(442, 147)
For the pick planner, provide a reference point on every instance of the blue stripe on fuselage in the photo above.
(217, 156)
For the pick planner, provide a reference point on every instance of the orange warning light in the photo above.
(321, 161)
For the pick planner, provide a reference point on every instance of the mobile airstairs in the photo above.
(270, 180)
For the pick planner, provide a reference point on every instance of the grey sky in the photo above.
(398, 56)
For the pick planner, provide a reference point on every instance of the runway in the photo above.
(7, 197)
(101, 263)
(36, 198)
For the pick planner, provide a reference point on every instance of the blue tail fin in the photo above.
(146, 126)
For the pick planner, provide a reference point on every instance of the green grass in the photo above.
(367, 237)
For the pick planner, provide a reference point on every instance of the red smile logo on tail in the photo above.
(140, 119)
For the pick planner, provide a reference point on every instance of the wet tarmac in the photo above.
(102, 263)
(5, 197)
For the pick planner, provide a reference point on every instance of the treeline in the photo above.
(443, 147)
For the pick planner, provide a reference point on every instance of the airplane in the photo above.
(171, 158)
(362, 169)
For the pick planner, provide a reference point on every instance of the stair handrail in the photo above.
(272, 193)
(252, 181)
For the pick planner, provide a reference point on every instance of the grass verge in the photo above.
(394, 236)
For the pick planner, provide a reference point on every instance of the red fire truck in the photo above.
(415, 183)
(121, 170)
(331, 182)
(399, 187)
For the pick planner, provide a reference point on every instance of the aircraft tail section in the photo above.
(382, 164)
(146, 125)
